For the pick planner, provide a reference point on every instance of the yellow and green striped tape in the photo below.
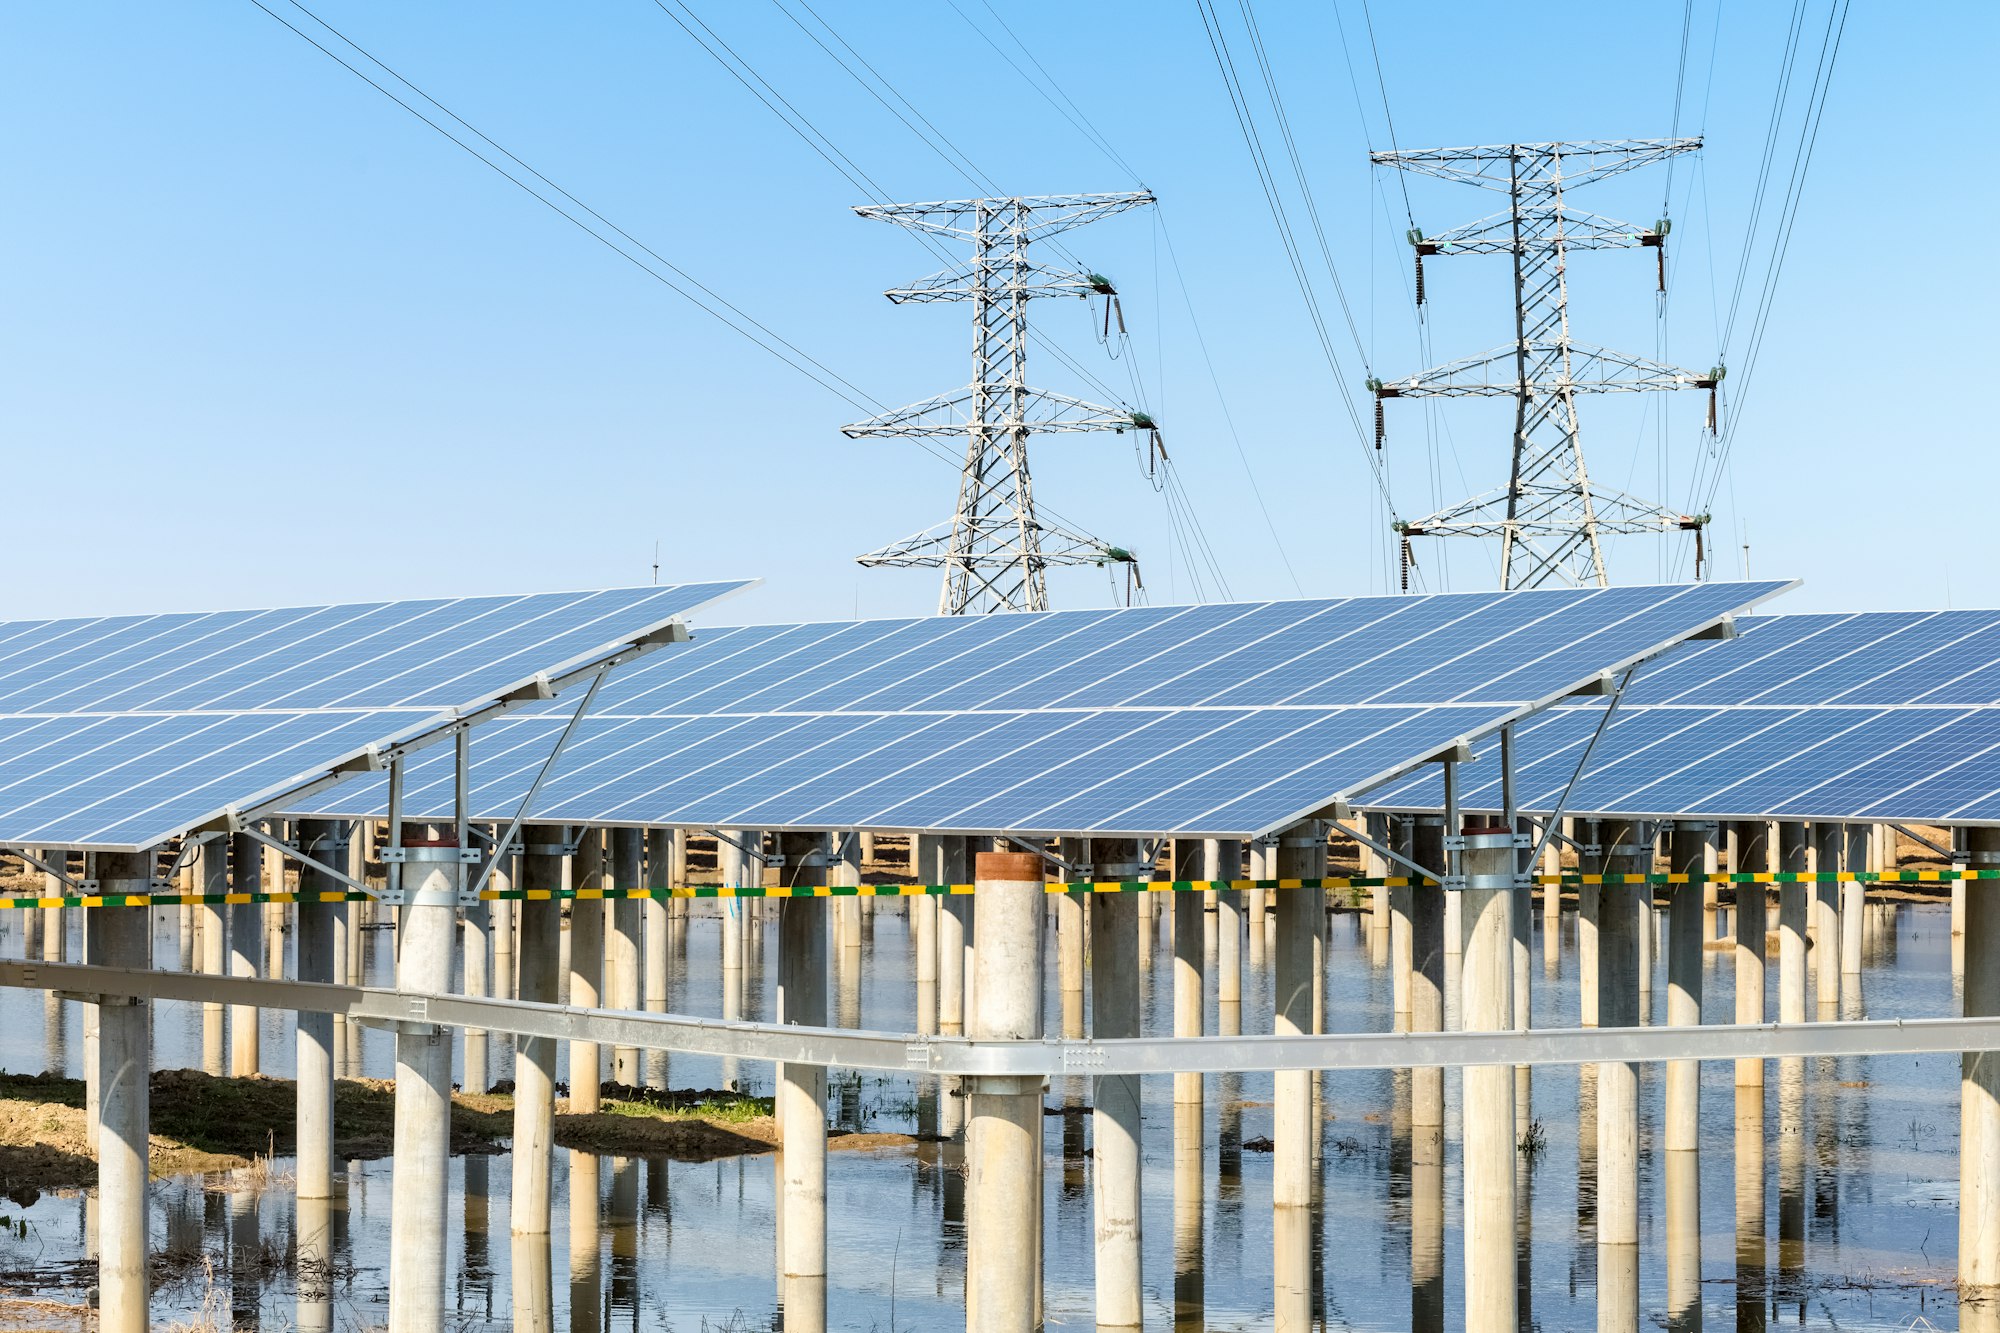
(921, 890)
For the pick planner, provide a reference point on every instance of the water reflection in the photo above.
(1188, 1218)
(1382, 1249)
(1750, 1255)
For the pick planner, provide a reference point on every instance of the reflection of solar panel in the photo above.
(124, 731)
(1217, 720)
(1890, 716)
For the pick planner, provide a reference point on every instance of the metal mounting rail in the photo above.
(964, 1057)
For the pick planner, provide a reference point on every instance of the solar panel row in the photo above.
(123, 731)
(1206, 720)
(1865, 717)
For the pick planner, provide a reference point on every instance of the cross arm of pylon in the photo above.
(1575, 162)
(962, 283)
(1494, 234)
(1496, 374)
(1036, 215)
(950, 414)
(931, 548)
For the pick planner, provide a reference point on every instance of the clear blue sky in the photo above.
(265, 338)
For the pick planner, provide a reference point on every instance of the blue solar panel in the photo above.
(1215, 719)
(1865, 717)
(120, 732)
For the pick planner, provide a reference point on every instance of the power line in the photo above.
(742, 323)
(1246, 126)
(1836, 29)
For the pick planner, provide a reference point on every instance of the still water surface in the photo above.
(1859, 1161)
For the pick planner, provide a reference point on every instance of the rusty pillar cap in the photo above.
(1007, 867)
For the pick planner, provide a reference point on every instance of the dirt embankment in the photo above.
(201, 1123)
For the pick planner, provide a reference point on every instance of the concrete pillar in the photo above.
(323, 840)
(432, 876)
(1625, 851)
(1794, 857)
(1829, 844)
(1075, 852)
(1190, 987)
(621, 951)
(1400, 953)
(544, 850)
(1374, 866)
(1114, 1012)
(1855, 859)
(1004, 1125)
(664, 850)
(924, 943)
(1489, 899)
(801, 1101)
(1589, 898)
(1225, 863)
(1979, 1084)
(478, 946)
(214, 961)
(1752, 857)
(954, 934)
(246, 948)
(589, 872)
(843, 870)
(122, 937)
(1688, 856)
(1427, 930)
(1301, 917)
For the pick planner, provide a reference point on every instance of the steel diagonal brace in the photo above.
(1556, 815)
(290, 852)
(506, 842)
(1383, 849)
(47, 869)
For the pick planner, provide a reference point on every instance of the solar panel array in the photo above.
(1872, 717)
(1214, 720)
(122, 731)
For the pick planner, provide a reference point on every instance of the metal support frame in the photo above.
(84, 887)
(1049, 858)
(1551, 515)
(995, 547)
(847, 1048)
(754, 851)
(1948, 853)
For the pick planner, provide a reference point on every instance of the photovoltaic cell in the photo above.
(1217, 720)
(1887, 716)
(120, 732)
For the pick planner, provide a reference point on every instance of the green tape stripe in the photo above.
(179, 899)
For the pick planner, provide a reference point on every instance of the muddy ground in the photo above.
(205, 1124)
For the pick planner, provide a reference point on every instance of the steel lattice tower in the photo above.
(1551, 517)
(994, 549)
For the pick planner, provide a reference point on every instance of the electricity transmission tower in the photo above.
(994, 549)
(1551, 518)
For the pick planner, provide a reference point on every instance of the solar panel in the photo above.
(1872, 717)
(120, 732)
(1212, 720)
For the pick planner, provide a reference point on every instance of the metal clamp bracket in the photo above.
(390, 856)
